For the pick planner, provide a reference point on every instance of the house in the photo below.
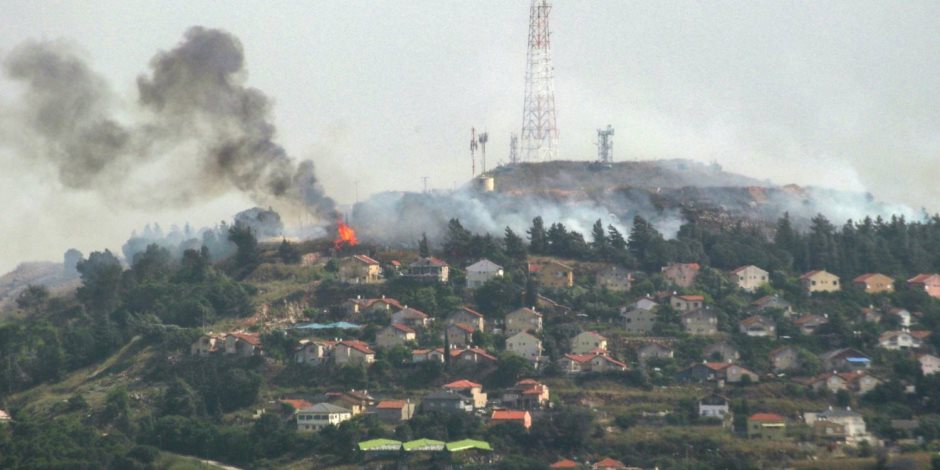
(721, 352)
(428, 269)
(5, 417)
(687, 303)
(749, 278)
(320, 416)
(208, 344)
(929, 364)
(471, 356)
(871, 314)
(566, 463)
(412, 317)
(929, 283)
(372, 308)
(588, 341)
(701, 322)
(758, 326)
(653, 351)
(737, 374)
(395, 334)
(521, 417)
(639, 317)
(526, 394)
(855, 381)
(446, 401)
(356, 401)
(469, 389)
(714, 406)
(459, 335)
(819, 281)
(810, 324)
(899, 340)
(703, 372)
(295, 405)
(313, 351)
(785, 358)
(525, 345)
(903, 316)
(609, 464)
(468, 316)
(681, 274)
(849, 424)
(243, 344)
(394, 411)
(353, 352)
(523, 319)
(481, 271)
(577, 363)
(553, 274)
(874, 283)
(844, 359)
(427, 355)
(772, 302)
(766, 426)
(360, 269)
(614, 278)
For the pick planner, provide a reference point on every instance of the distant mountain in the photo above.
(51, 275)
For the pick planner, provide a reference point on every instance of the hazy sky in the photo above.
(841, 94)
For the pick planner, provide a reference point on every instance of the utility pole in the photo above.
(424, 179)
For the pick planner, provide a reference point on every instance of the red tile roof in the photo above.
(766, 417)
(358, 346)
(461, 385)
(508, 415)
(609, 463)
(391, 405)
(921, 278)
(565, 463)
(472, 312)
(403, 328)
(253, 339)
(691, 298)
(365, 259)
(716, 366)
(465, 327)
(297, 404)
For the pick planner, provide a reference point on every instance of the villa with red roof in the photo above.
(820, 281)
(395, 334)
(681, 274)
(243, 344)
(566, 463)
(468, 316)
(360, 269)
(512, 416)
(394, 411)
(353, 352)
(469, 389)
(749, 278)
(588, 341)
(766, 426)
(874, 283)
(929, 283)
(687, 303)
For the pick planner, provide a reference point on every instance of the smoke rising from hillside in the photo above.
(196, 132)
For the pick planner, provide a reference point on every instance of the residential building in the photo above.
(855, 381)
(526, 394)
(356, 401)
(553, 274)
(639, 317)
(525, 345)
(737, 374)
(577, 363)
(758, 326)
(353, 352)
(687, 303)
(810, 324)
(471, 356)
(929, 364)
(614, 278)
(427, 355)
(844, 359)
(653, 351)
(903, 316)
(820, 281)
(243, 344)
(523, 319)
(871, 314)
(929, 283)
(412, 317)
(766, 426)
(874, 283)
(899, 340)
(394, 411)
(721, 351)
(468, 316)
(395, 334)
(445, 400)
(772, 302)
(785, 358)
(360, 269)
(521, 417)
(681, 274)
(469, 389)
(428, 269)
(701, 322)
(371, 308)
(609, 464)
(481, 271)
(588, 342)
(714, 406)
(320, 416)
(459, 335)
(566, 463)
(605, 363)
(314, 351)
(750, 278)
(850, 424)
(208, 344)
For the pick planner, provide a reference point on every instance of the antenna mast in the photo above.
(605, 145)
(473, 148)
(539, 131)
(513, 148)
(483, 139)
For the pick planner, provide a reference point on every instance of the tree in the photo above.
(182, 400)
(33, 298)
(288, 252)
(515, 246)
(153, 264)
(537, 236)
(424, 248)
(248, 255)
(457, 241)
(101, 281)
(600, 244)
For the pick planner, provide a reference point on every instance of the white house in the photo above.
(523, 319)
(320, 416)
(314, 351)
(525, 345)
(929, 364)
(714, 406)
(898, 340)
(588, 342)
(749, 278)
(481, 271)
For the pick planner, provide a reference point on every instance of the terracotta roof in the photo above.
(297, 404)
(766, 417)
(609, 463)
(565, 463)
(365, 259)
(921, 278)
(358, 346)
(528, 382)
(403, 328)
(430, 261)
(716, 366)
(593, 333)
(580, 357)
(508, 415)
(691, 298)
(471, 312)
(253, 339)
(526, 310)
(610, 360)
(865, 277)
(692, 266)
(391, 405)
(920, 334)
(412, 312)
(461, 385)
(754, 319)
(478, 351)
(742, 268)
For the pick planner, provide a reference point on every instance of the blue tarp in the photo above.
(321, 326)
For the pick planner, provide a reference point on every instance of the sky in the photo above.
(380, 94)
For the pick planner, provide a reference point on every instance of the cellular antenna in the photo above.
(483, 139)
(473, 149)
(539, 131)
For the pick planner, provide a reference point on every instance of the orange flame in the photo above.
(345, 236)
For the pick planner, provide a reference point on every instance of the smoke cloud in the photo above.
(196, 131)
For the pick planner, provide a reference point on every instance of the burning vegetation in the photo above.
(345, 236)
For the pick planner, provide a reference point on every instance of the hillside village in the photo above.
(634, 352)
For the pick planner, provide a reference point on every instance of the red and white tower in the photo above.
(539, 132)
